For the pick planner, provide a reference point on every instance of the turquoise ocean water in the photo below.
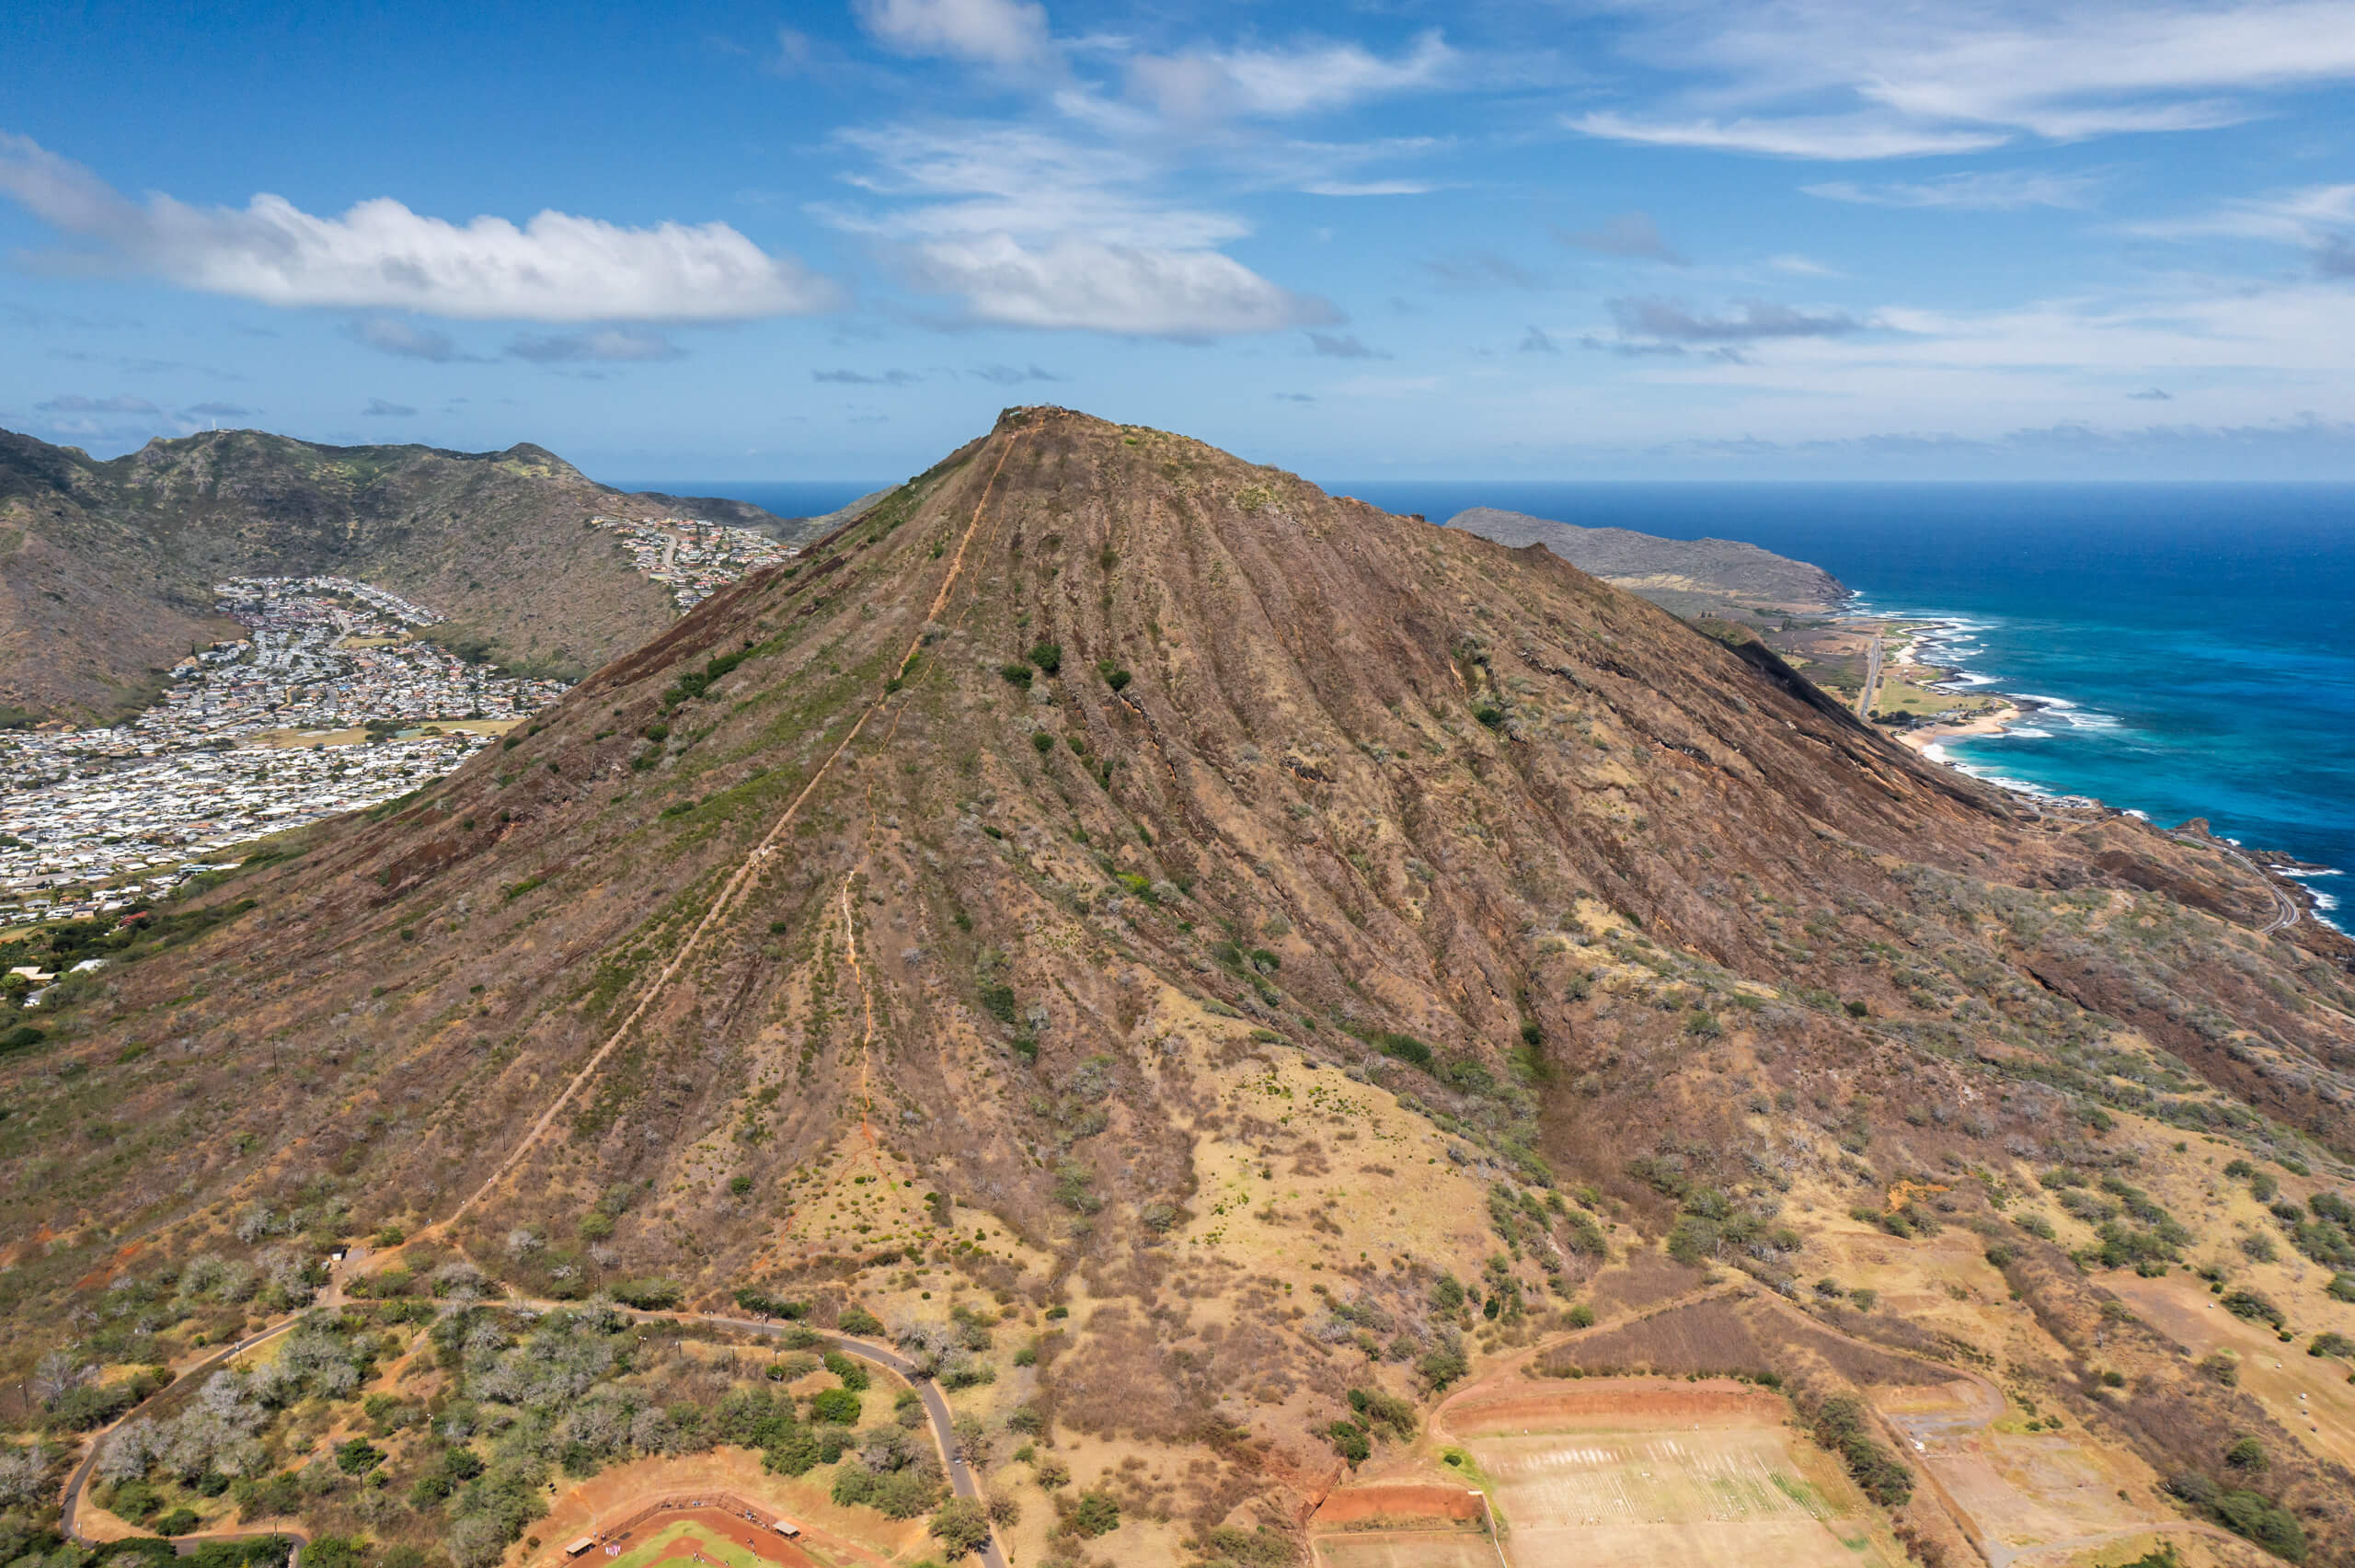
(2193, 645)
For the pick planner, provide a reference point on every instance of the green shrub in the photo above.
(1016, 674)
(649, 1295)
(1047, 656)
(837, 1407)
(1095, 1514)
(1843, 1426)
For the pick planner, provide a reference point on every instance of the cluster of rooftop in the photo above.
(693, 559)
(327, 708)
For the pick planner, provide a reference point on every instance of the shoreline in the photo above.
(2013, 712)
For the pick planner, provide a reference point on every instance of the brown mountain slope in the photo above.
(1114, 877)
(110, 566)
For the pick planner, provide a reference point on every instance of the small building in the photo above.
(585, 1543)
(786, 1527)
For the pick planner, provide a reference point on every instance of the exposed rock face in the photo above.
(1687, 576)
(109, 567)
(1215, 893)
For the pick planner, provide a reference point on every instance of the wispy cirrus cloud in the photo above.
(1308, 78)
(74, 403)
(1991, 190)
(862, 378)
(1850, 79)
(611, 344)
(381, 408)
(2317, 219)
(1670, 321)
(380, 255)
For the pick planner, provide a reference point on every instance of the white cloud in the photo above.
(1028, 229)
(1990, 190)
(1833, 140)
(1967, 74)
(1007, 34)
(1095, 286)
(2307, 217)
(1368, 188)
(380, 255)
(1203, 84)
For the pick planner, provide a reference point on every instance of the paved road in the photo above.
(1872, 679)
(962, 1478)
(78, 1483)
(2285, 908)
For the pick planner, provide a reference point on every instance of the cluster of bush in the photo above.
(1372, 1413)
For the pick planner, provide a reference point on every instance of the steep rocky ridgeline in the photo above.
(1262, 944)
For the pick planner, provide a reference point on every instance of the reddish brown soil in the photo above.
(1396, 1501)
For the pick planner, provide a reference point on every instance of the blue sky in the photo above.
(1803, 238)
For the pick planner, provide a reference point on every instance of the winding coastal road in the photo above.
(2285, 908)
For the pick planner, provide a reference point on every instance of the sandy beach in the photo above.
(1926, 738)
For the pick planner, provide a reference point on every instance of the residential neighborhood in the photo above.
(331, 702)
(693, 559)
(329, 705)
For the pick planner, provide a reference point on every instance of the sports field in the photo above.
(1650, 1473)
(707, 1536)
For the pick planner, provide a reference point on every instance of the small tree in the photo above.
(961, 1526)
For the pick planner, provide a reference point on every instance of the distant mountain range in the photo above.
(107, 567)
(1688, 576)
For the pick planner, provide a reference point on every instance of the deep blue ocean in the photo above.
(2195, 643)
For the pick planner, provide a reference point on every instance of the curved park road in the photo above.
(69, 1512)
(961, 1480)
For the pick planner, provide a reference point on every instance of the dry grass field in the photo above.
(1656, 1473)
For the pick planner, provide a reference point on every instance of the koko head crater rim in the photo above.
(1387, 786)
(1112, 1006)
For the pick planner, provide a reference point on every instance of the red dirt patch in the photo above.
(1395, 1503)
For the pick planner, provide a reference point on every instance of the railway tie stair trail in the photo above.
(733, 892)
(964, 1481)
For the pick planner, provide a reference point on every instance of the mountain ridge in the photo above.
(1117, 886)
(112, 563)
(1687, 577)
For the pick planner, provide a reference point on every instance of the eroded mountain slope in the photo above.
(1112, 877)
